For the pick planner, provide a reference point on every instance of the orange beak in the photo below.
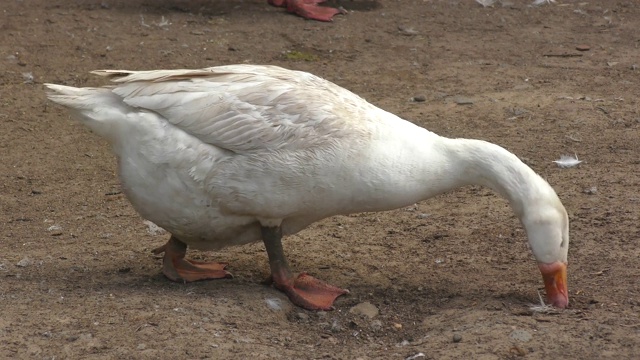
(555, 283)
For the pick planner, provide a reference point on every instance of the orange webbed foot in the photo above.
(176, 268)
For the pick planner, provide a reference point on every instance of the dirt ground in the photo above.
(77, 279)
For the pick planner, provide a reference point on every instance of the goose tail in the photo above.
(104, 112)
(73, 97)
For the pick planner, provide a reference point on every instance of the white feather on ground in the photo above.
(486, 3)
(567, 161)
(540, 2)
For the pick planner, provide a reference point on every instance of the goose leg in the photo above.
(304, 290)
(308, 9)
(177, 268)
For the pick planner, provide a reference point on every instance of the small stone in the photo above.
(407, 31)
(28, 77)
(520, 335)
(335, 326)
(416, 356)
(397, 326)
(518, 351)
(24, 262)
(302, 316)
(153, 229)
(457, 338)
(462, 100)
(376, 325)
(518, 111)
(591, 191)
(419, 98)
(141, 347)
(365, 309)
(583, 47)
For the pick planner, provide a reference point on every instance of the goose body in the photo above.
(235, 154)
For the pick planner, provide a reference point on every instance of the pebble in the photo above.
(462, 100)
(457, 338)
(153, 229)
(24, 262)
(419, 98)
(376, 325)
(335, 326)
(365, 309)
(591, 191)
(397, 326)
(408, 31)
(583, 47)
(302, 316)
(521, 335)
(518, 111)
(416, 356)
(518, 351)
(28, 79)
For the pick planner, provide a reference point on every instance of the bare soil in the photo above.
(78, 281)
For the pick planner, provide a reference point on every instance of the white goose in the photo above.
(230, 155)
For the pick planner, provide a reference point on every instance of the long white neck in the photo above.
(477, 162)
(419, 164)
(413, 164)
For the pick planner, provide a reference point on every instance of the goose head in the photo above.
(533, 200)
(547, 229)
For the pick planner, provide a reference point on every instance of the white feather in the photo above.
(540, 2)
(567, 161)
(486, 3)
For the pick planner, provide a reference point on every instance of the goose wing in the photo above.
(245, 108)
